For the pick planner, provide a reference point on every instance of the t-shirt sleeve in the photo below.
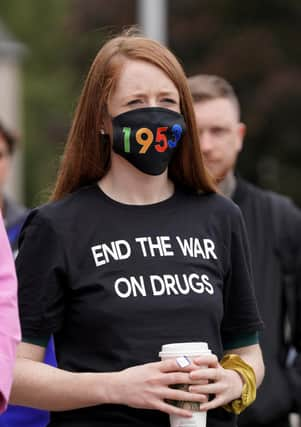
(42, 279)
(241, 314)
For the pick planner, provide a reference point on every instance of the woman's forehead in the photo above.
(137, 75)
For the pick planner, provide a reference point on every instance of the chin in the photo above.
(220, 178)
(217, 175)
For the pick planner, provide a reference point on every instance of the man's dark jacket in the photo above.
(274, 228)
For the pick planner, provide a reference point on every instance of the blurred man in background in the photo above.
(274, 228)
(13, 213)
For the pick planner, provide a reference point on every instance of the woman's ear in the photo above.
(106, 124)
(104, 136)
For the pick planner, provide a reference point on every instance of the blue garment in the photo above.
(20, 416)
(14, 217)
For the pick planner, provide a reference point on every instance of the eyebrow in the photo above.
(142, 94)
(169, 93)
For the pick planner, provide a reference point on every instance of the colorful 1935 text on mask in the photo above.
(147, 137)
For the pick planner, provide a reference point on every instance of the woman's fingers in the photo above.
(210, 374)
(224, 384)
(176, 365)
(213, 388)
(173, 410)
(175, 394)
(209, 360)
(152, 384)
(204, 376)
(176, 378)
(181, 378)
(212, 404)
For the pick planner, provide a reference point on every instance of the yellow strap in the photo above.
(235, 363)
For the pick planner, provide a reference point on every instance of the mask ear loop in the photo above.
(105, 149)
(104, 138)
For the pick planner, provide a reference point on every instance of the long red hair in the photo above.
(85, 159)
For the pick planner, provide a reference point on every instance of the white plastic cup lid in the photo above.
(184, 349)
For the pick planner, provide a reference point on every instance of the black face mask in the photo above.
(147, 137)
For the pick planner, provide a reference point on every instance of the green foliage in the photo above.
(254, 44)
(48, 80)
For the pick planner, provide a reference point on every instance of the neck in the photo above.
(126, 184)
(228, 185)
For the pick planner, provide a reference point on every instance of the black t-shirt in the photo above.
(113, 282)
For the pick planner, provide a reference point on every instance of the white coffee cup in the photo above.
(180, 351)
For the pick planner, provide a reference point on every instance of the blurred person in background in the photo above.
(9, 318)
(132, 167)
(14, 216)
(274, 230)
(13, 213)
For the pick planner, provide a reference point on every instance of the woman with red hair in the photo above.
(134, 250)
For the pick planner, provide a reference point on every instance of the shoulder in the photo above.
(214, 204)
(263, 195)
(274, 209)
(61, 213)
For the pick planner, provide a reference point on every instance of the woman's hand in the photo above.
(148, 386)
(212, 379)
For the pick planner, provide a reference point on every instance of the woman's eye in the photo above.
(219, 130)
(169, 100)
(134, 101)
